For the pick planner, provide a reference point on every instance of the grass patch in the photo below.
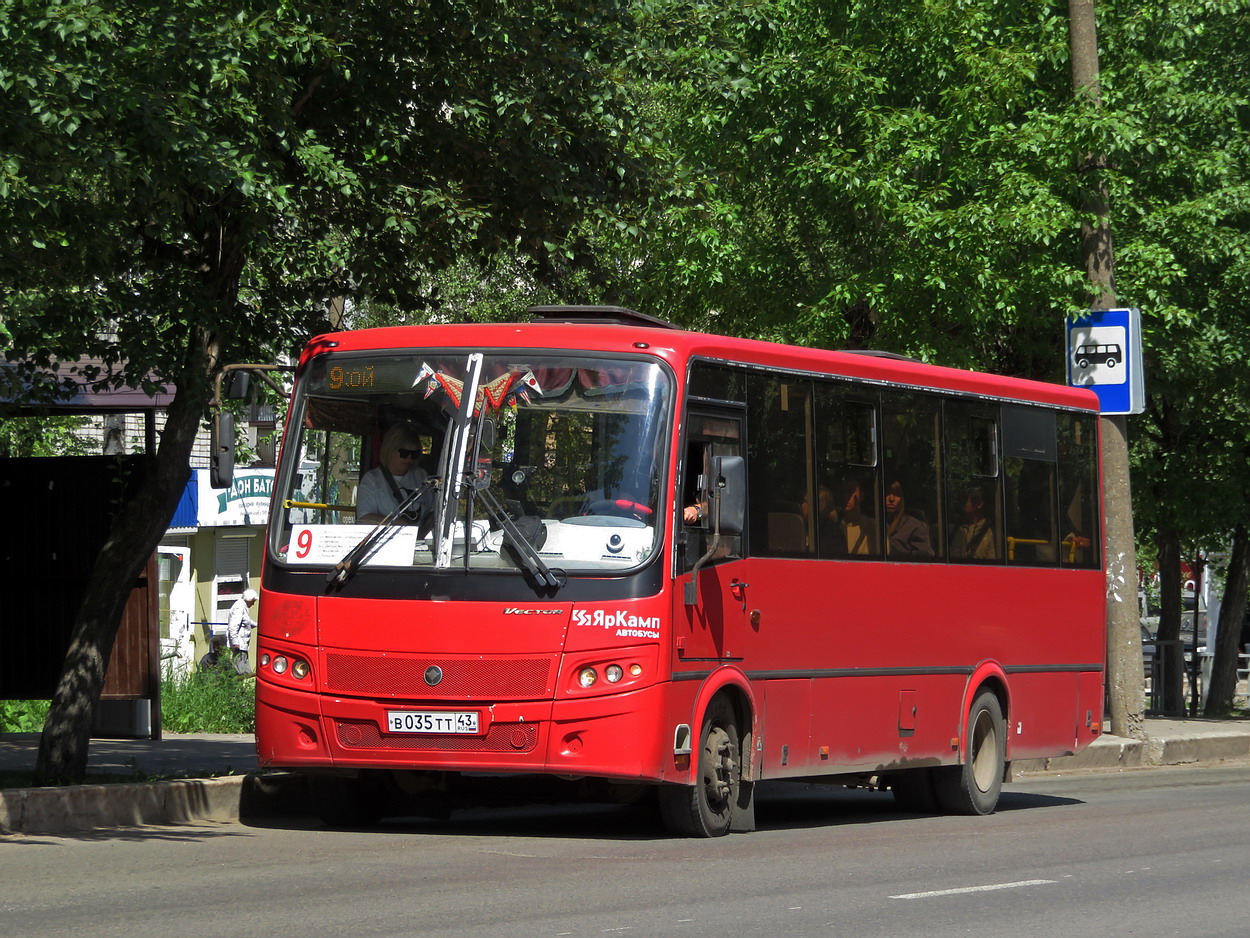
(210, 700)
(27, 779)
(23, 716)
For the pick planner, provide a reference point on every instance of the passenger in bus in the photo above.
(907, 536)
(855, 532)
(396, 476)
(974, 538)
(828, 512)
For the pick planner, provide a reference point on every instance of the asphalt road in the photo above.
(1152, 852)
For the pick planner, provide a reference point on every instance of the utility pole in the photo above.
(1124, 661)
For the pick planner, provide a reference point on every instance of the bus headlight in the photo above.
(280, 664)
(300, 668)
(608, 671)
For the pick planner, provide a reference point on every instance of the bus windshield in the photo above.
(515, 462)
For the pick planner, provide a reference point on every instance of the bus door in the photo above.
(711, 594)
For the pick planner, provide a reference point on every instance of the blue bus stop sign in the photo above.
(1104, 354)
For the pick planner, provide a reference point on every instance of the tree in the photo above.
(182, 185)
(1180, 175)
(1233, 609)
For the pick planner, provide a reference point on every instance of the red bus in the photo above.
(615, 551)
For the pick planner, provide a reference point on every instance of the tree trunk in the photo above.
(1168, 639)
(1125, 680)
(1228, 637)
(137, 530)
(1124, 672)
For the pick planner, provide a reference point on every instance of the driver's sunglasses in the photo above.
(408, 453)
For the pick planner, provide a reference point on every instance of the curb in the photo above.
(277, 794)
(1109, 753)
(87, 807)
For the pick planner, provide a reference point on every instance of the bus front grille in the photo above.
(457, 678)
(501, 737)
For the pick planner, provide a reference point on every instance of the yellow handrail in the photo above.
(1013, 541)
(291, 503)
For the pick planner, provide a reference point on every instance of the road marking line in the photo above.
(967, 889)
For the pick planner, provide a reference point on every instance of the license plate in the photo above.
(463, 722)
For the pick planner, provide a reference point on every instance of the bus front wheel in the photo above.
(974, 786)
(705, 809)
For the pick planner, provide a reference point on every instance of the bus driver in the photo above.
(396, 476)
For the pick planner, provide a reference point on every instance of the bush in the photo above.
(23, 716)
(209, 700)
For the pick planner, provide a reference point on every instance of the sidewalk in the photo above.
(1167, 742)
(222, 782)
(231, 784)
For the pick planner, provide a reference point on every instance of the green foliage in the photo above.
(41, 436)
(894, 175)
(22, 716)
(209, 700)
(238, 165)
(1180, 162)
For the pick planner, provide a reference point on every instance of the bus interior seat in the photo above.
(786, 532)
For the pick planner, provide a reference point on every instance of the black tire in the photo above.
(1083, 363)
(913, 791)
(974, 786)
(341, 801)
(705, 809)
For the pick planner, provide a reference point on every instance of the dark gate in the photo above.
(59, 511)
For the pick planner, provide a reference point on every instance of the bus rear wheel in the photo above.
(705, 809)
(974, 786)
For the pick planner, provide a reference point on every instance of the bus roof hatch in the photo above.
(597, 315)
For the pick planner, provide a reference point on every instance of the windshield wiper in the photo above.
(527, 554)
(346, 568)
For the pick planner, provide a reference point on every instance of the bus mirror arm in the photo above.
(692, 586)
(728, 514)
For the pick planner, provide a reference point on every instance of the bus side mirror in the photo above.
(221, 444)
(236, 386)
(731, 484)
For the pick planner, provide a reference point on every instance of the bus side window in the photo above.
(973, 483)
(909, 456)
(779, 462)
(1080, 537)
(693, 502)
(1029, 456)
(848, 468)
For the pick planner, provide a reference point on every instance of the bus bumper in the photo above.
(617, 736)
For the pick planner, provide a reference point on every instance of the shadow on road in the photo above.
(779, 806)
